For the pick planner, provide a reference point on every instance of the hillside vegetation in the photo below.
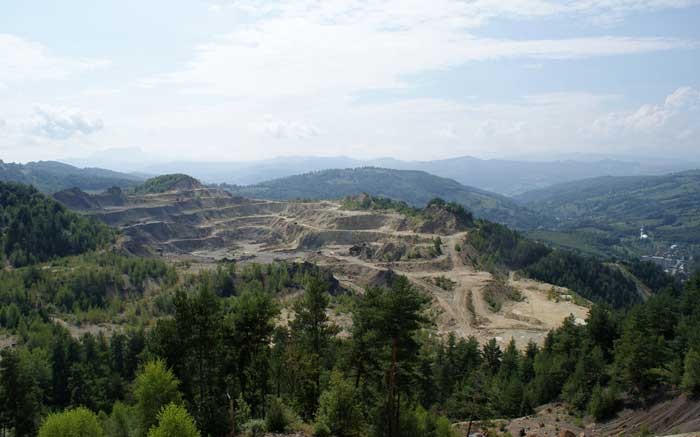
(51, 176)
(605, 211)
(35, 228)
(431, 211)
(498, 246)
(168, 182)
(416, 188)
(501, 249)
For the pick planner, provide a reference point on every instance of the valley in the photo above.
(653, 217)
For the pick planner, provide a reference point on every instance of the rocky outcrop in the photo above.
(438, 219)
(79, 200)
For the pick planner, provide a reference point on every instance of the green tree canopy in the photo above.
(154, 388)
(174, 421)
(79, 422)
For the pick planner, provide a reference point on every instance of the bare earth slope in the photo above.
(205, 226)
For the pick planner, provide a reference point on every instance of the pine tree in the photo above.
(248, 331)
(492, 356)
(312, 333)
(393, 315)
(638, 352)
(198, 320)
(691, 374)
(19, 404)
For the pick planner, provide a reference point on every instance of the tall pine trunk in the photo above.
(392, 412)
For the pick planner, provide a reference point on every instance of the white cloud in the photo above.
(447, 131)
(22, 60)
(609, 12)
(675, 121)
(286, 77)
(320, 52)
(282, 129)
(471, 14)
(685, 97)
(62, 123)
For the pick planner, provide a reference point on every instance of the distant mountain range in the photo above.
(414, 187)
(53, 176)
(507, 177)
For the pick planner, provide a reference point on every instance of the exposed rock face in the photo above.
(386, 252)
(363, 251)
(439, 220)
(325, 274)
(391, 251)
(384, 278)
(77, 199)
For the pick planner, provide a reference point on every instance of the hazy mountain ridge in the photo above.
(504, 176)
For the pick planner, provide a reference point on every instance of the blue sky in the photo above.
(252, 79)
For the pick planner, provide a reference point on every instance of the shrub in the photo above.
(691, 373)
(254, 428)
(603, 403)
(123, 422)
(443, 428)
(79, 422)
(174, 421)
(444, 282)
(154, 388)
(243, 414)
(279, 416)
(321, 429)
(340, 409)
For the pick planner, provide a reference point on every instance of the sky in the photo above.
(231, 80)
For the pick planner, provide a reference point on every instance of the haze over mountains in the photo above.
(504, 176)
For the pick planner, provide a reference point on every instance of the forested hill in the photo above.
(619, 284)
(35, 228)
(667, 206)
(52, 176)
(168, 182)
(416, 188)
